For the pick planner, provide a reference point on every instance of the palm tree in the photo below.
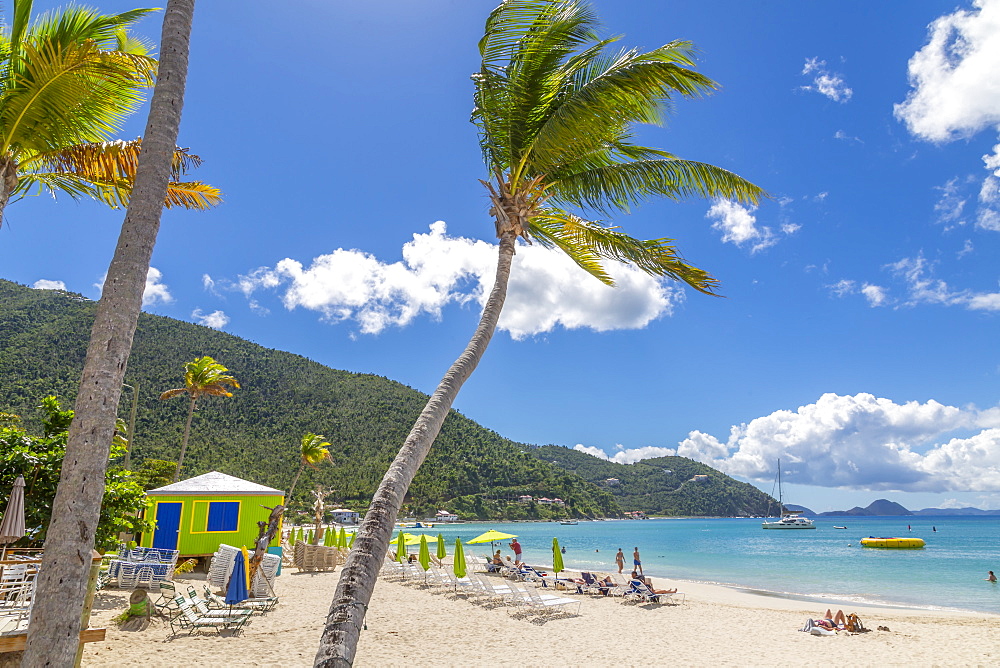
(69, 81)
(313, 450)
(204, 377)
(61, 586)
(554, 111)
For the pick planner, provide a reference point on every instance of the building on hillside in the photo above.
(700, 478)
(445, 516)
(558, 502)
(543, 501)
(526, 498)
(196, 515)
(345, 516)
(612, 482)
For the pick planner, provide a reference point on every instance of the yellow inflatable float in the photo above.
(893, 543)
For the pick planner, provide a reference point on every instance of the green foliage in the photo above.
(39, 460)
(663, 485)
(257, 434)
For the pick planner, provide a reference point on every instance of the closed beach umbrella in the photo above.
(441, 554)
(302, 535)
(291, 537)
(330, 537)
(309, 537)
(459, 559)
(353, 536)
(557, 560)
(12, 527)
(401, 547)
(342, 538)
(425, 554)
(236, 591)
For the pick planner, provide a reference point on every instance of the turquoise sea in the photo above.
(824, 563)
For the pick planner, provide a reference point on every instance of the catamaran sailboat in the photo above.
(790, 519)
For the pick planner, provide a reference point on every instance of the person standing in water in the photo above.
(636, 561)
(620, 560)
(990, 577)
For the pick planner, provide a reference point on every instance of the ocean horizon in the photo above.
(825, 564)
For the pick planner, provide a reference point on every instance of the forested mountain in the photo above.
(663, 485)
(255, 434)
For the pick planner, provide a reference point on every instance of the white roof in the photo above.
(344, 510)
(215, 483)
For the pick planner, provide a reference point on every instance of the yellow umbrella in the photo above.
(424, 558)
(491, 536)
(459, 559)
(246, 567)
(557, 560)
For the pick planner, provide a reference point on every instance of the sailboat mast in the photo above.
(781, 502)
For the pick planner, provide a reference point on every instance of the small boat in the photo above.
(569, 522)
(893, 543)
(789, 519)
(839, 527)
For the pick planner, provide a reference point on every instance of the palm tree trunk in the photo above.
(184, 441)
(357, 580)
(61, 586)
(8, 181)
(288, 499)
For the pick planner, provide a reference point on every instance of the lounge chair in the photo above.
(642, 592)
(530, 597)
(260, 605)
(189, 618)
(593, 585)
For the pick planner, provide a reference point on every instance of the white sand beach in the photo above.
(416, 626)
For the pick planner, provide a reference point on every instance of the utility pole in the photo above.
(131, 424)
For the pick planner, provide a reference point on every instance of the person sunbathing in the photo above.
(649, 583)
(832, 621)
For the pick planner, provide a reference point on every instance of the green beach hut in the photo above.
(196, 515)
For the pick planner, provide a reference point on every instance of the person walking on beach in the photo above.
(636, 561)
(620, 559)
(514, 545)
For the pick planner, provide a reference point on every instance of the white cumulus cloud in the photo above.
(956, 91)
(546, 290)
(739, 226)
(627, 455)
(215, 319)
(46, 284)
(825, 82)
(860, 441)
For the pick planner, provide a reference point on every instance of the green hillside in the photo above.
(471, 470)
(662, 485)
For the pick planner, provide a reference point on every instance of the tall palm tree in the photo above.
(61, 586)
(204, 377)
(68, 83)
(554, 110)
(313, 451)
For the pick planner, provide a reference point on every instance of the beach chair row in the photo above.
(478, 584)
(630, 590)
(192, 612)
(17, 596)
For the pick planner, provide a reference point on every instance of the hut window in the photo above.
(223, 515)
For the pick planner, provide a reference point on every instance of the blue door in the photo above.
(168, 524)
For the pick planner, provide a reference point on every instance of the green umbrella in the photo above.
(401, 547)
(302, 536)
(291, 537)
(459, 559)
(441, 554)
(342, 539)
(353, 536)
(557, 560)
(309, 537)
(326, 537)
(424, 558)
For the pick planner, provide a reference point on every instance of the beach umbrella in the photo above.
(401, 547)
(302, 535)
(491, 536)
(441, 554)
(342, 538)
(330, 537)
(291, 537)
(237, 590)
(557, 560)
(424, 557)
(353, 536)
(12, 527)
(309, 537)
(459, 559)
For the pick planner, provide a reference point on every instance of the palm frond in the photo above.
(552, 229)
(657, 257)
(616, 187)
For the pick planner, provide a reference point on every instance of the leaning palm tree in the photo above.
(204, 377)
(61, 586)
(554, 110)
(68, 82)
(313, 450)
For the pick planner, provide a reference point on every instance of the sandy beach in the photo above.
(413, 625)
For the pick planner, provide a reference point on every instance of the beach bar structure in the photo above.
(197, 515)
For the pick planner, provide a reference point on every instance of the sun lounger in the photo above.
(260, 605)
(190, 619)
(640, 591)
(530, 597)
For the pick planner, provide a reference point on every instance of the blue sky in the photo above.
(857, 339)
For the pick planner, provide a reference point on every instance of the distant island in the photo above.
(886, 508)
